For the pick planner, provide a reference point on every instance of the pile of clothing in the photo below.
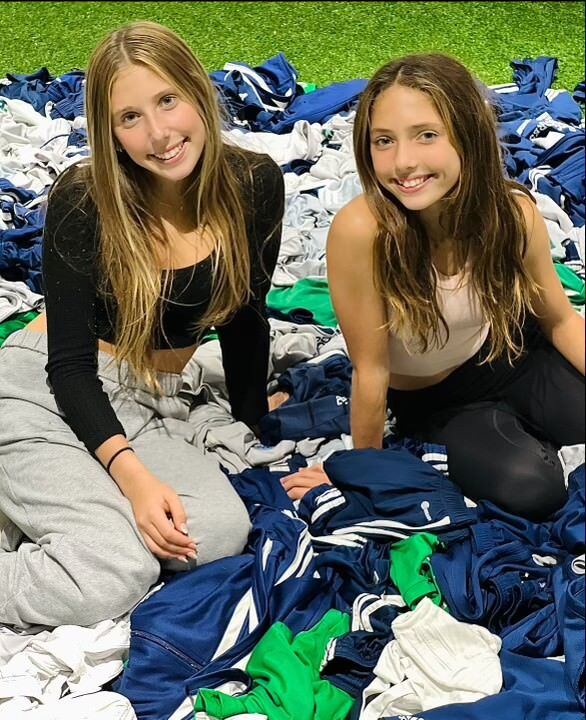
(388, 594)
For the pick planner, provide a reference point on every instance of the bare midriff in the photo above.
(169, 361)
(415, 382)
(175, 360)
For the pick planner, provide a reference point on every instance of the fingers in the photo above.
(167, 550)
(162, 521)
(297, 493)
(298, 484)
(306, 477)
(174, 530)
(313, 471)
(164, 540)
(298, 480)
(177, 512)
(158, 551)
(170, 535)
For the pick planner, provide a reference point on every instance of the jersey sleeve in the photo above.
(245, 339)
(69, 277)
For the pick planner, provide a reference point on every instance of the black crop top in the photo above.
(78, 315)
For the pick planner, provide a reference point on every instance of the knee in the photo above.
(110, 592)
(535, 487)
(227, 532)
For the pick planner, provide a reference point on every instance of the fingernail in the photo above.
(184, 530)
(192, 555)
(183, 558)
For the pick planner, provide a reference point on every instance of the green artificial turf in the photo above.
(326, 41)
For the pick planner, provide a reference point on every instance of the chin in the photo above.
(180, 176)
(176, 174)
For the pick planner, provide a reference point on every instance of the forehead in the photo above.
(402, 106)
(135, 84)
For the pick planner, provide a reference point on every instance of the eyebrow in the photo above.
(161, 94)
(420, 126)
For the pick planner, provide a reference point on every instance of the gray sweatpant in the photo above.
(71, 552)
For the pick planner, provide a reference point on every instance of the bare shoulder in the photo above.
(537, 234)
(528, 208)
(354, 225)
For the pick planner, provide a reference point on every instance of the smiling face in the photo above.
(158, 129)
(411, 152)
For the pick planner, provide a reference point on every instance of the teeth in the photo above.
(413, 183)
(172, 153)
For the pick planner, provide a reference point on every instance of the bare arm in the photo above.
(361, 314)
(561, 324)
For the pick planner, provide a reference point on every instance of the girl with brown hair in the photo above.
(442, 279)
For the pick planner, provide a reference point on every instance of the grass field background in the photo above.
(325, 41)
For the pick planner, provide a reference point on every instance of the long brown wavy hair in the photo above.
(480, 214)
(132, 240)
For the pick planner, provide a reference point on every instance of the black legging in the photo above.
(503, 426)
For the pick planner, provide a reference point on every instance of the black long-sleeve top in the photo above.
(78, 314)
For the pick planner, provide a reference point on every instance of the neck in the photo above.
(171, 207)
(430, 219)
(169, 202)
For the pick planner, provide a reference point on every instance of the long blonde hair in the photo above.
(132, 240)
(481, 215)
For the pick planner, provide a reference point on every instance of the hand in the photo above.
(301, 482)
(161, 519)
(277, 399)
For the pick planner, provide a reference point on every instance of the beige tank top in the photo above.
(468, 330)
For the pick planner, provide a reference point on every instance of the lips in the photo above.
(413, 185)
(171, 153)
(413, 182)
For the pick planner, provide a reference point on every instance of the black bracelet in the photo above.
(108, 466)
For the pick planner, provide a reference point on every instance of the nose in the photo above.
(158, 132)
(405, 160)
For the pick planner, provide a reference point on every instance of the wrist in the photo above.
(115, 456)
(129, 473)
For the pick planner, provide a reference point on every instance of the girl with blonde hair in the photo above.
(165, 232)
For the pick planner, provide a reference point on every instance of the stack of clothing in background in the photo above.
(386, 595)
